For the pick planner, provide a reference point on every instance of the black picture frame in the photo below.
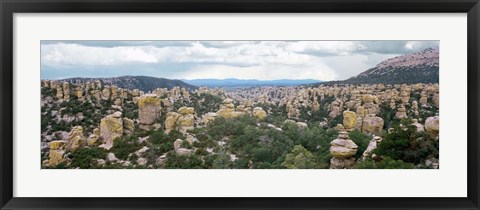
(10, 7)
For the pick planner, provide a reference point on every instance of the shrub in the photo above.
(386, 163)
(86, 157)
(183, 161)
(124, 146)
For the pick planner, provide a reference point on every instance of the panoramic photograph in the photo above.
(240, 104)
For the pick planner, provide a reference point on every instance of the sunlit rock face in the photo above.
(149, 109)
(227, 109)
(349, 120)
(76, 139)
(183, 120)
(186, 120)
(171, 121)
(432, 126)
(259, 113)
(92, 140)
(111, 127)
(372, 125)
(56, 153)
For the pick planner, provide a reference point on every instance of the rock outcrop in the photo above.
(432, 126)
(259, 113)
(182, 121)
(372, 145)
(349, 120)
(111, 127)
(57, 153)
(93, 138)
(75, 140)
(227, 109)
(171, 121)
(128, 126)
(177, 145)
(149, 109)
(372, 124)
(209, 117)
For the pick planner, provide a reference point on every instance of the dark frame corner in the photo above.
(9, 7)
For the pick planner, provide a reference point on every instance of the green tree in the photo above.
(299, 158)
(361, 140)
(408, 145)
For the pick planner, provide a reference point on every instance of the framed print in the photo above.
(239, 105)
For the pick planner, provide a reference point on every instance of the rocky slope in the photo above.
(418, 67)
(142, 83)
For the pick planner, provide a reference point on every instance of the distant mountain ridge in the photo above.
(418, 67)
(231, 82)
(143, 83)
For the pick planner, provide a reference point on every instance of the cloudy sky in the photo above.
(263, 60)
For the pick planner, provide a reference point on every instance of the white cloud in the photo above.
(65, 55)
(248, 54)
(323, 60)
(325, 47)
(315, 70)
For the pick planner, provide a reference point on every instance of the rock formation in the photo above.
(186, 121)
(401, 113)
(93, 138)
(171, 121)
(178, 148)
(111, 127)
(57, 153)
(259, 113)
(349, 120)
(182, 121)
(128, 126)
(372, 145)
(75, 140)
(227, 109)
(432, 126)
(149, 110)
(372, 124)
(209, 117)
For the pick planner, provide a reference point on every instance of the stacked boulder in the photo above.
(343, 151)
(183, 121)
(187, 119)
(227, 109)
